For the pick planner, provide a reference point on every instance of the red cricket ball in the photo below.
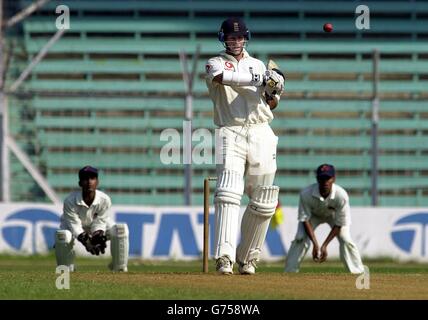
(328, 27)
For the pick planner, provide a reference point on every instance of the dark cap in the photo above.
(326, 171)
(88, 171)
(233, 27)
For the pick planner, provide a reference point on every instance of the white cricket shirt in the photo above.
(236, 105)
(77, 216)
(336, 205)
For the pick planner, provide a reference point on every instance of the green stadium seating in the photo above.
(108, 88)
(222, 6)
(173, 66)
(152, 25)
(210, 46)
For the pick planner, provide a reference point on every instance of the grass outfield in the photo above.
(34, 278)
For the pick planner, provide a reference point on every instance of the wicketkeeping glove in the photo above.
(98, 241)
(85, 239)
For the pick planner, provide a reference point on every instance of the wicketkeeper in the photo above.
(87, 218)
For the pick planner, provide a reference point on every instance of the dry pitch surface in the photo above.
(35, 278)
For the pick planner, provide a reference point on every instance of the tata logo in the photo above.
(33, 229)
(176, 228)
(410, 233)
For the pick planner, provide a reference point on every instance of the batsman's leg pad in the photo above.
(226, 229)
(229, 190)
(255, 222)
(119, 247)
(64, 251)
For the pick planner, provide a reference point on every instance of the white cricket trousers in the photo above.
(349, 253)
(244, 151)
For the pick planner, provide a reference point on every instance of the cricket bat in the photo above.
(272, 65)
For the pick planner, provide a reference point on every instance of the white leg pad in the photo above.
(226, 230)
(255, 222)
(119, 247)
(64, 251)
(229, 190)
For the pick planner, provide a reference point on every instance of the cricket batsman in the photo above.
(87, 218)
(243, 92)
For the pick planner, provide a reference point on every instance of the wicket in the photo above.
(206, 221)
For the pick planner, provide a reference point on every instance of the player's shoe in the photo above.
(247, 268)
(123, 269)
(224, 265)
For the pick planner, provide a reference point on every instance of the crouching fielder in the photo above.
(87, 218)
(324, 202)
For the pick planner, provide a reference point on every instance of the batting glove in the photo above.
(274, 83)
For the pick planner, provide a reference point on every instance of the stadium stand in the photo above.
(108, 88)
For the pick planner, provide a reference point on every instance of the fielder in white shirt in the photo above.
(324, 202)
(243, 92)
(87, 218)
